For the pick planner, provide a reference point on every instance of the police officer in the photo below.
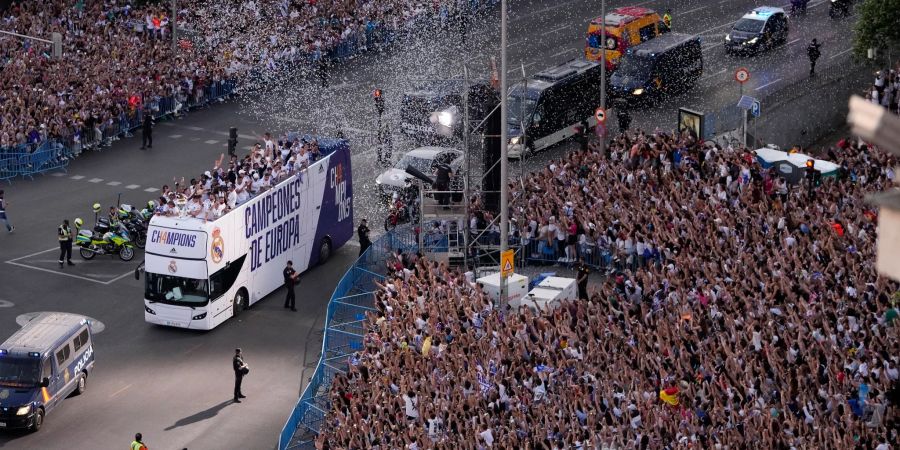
(64, 234)
(442, 174)
(582, 279)
(290, 279)
(814, 53)
(240, 369)
(363, 233)
(9, 227)
(667, 21)
(147, 130)
(138, 442)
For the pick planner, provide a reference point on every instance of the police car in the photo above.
(42, 364)
(763, 28)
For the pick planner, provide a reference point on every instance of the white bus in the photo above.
(199, 273)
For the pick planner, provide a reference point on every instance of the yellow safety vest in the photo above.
(135, 445)
(64, 233)
(667, 19)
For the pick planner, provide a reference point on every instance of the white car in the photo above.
(423, 159)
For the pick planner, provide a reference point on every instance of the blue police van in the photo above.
(42, 364)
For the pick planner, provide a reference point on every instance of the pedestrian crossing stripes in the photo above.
(176, 136)
(95, 180)
(211, 142)
(152, 189)
(114, 183)
(132, 186)
(77, 177)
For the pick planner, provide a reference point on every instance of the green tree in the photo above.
(877, 26)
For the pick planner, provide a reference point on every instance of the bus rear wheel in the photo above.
(324, 251)
(239, 303)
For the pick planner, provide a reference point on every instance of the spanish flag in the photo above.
(669, 395)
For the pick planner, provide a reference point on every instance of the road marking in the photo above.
(194, 128)
(77, 177)
(708, 47)
(176, 136)
(767, 84)
(555, 30)
(839, 53)
(95, 180)
(692, 10)
(795, 40)
(717, 27)
(211, 142)
(58, 174)
(16, 262)
(195, 139)
(132, 186)
(562, 52)
(114, 183)
(192, 349)
(713, 74)
(119, 391)
(151, 189)
(130, 272)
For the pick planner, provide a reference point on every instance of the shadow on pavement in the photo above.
(202, 415)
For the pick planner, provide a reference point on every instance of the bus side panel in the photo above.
(335, 217)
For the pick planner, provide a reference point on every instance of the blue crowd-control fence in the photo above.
(344, 332)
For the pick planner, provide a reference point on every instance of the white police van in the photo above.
(42, 364)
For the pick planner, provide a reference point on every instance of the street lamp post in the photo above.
(504, 161)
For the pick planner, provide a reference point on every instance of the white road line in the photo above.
(33, 254)
(119, 391)
(95, 180)
(130, 272)
(562, 52)
(58, 174)
(211, 142)
(713, 74)
(56, 272)
(194, 128)
(839, 53)
(176, 136)
(795, 40)
(132, 186)
(77, 177)
(114, 183)
(151, 190)
(713, 46)
(767, 84)
(555, 30)
(692, 10)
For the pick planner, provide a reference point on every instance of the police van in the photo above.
(668, 64)
(42, 364)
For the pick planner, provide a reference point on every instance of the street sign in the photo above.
(755, 110)
(600, 114)
(746, 102)
(742, 75)
(507, 264)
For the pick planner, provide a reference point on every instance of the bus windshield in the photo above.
(635, 67)
(176, 290)
(19, 372)
(520, 107)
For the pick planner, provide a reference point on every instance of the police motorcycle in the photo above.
(839, 8)
(104, 240)
(135, 222)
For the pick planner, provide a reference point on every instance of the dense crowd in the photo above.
(227, 186)
(885, 89)
(756, 318)
(118, 58)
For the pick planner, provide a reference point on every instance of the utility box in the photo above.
(547, 295)
(516, 287)
(567, 287)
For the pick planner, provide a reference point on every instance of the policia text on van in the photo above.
(40, 365)
(668, 64)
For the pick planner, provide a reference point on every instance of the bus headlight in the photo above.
(638, 91)
(515, 141)
(199, 317)
(23, 410)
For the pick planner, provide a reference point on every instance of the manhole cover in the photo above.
(6, 304)
(97, 326)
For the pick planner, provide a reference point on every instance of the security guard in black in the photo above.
(290, 278)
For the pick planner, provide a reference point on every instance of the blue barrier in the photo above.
(344, 333)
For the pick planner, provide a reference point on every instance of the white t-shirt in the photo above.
(488, 437)
(411, 405)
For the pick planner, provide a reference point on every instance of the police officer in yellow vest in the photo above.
(65, 236)
(138, 443)
(667, 21)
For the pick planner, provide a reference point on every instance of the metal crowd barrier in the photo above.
(344, 334)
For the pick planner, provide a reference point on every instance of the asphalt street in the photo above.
(175, 386)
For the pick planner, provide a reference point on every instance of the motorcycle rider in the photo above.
(65, 236)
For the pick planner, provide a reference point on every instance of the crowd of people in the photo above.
(118, 58)
(885, 89)
(227, 186)
(756, 318)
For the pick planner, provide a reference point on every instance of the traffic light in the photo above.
(232, 141)
(379, 102)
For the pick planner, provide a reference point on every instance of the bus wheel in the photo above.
(324, 251)
(38, 420)
(239, 303)
(82, 381)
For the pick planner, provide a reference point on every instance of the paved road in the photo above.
(174, 385)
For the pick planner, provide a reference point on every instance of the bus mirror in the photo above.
(45, 382)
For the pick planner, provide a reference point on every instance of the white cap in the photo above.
(208, 174)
